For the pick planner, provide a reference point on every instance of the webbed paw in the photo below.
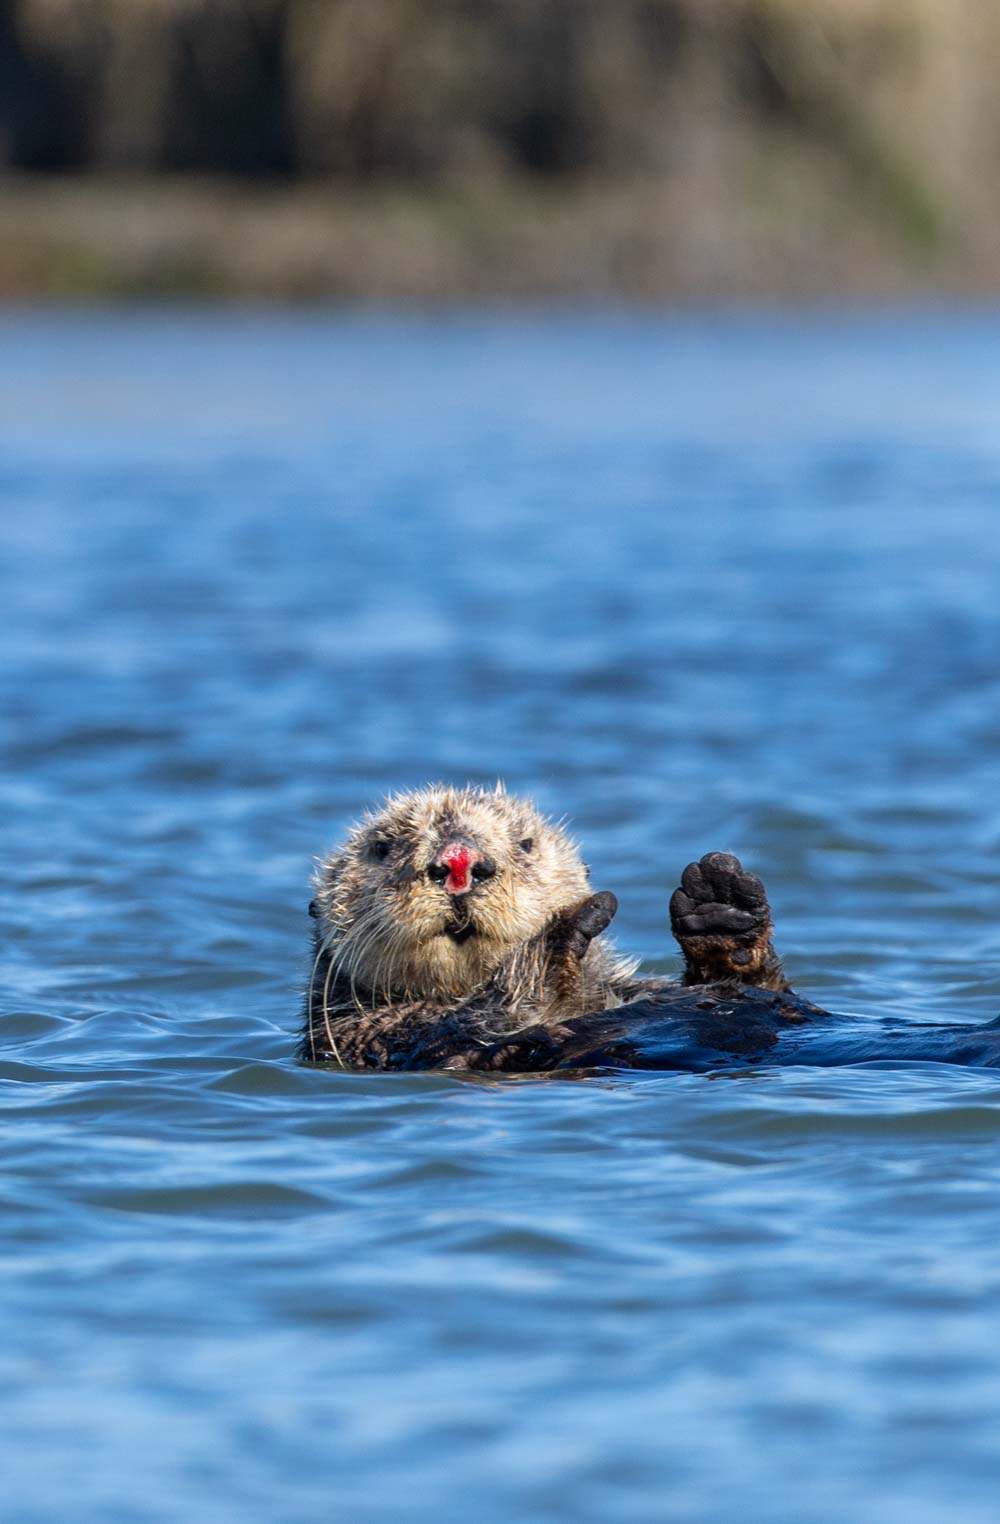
(578, 927)
(533, 1048)
(568, 939)
(721, 918)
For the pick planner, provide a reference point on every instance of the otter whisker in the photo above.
(336, 951)
(346, 936)
(312, 996)
(326, 1016)
(387, 961)
(387, 950)
(365, 935)
(401, 940)
(366, 938)
(322, 949)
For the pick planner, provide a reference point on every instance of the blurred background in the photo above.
(571, 436)
(431, 148)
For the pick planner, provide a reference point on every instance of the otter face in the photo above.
(429, 895)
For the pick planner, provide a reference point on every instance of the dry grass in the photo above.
(778, 230)
(423, 149)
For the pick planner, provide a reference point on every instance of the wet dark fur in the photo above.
(663, 1025)
(523, 1015)
(733, 1010)
(539, 984)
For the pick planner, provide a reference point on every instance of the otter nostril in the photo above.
(438, 872)
(484, 868)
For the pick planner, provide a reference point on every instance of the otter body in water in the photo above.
(455, 929)
(456, 923)
(454, 910)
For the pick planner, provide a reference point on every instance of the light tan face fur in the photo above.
(384, 919)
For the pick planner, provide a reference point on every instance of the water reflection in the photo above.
(696, 584)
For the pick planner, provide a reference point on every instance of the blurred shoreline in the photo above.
(682, 151)
(773, 231)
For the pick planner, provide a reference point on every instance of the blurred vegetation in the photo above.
(788, 143)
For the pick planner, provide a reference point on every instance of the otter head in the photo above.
(429, 895)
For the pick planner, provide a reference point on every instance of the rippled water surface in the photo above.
(728, 583)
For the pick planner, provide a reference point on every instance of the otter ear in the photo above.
(313, 909)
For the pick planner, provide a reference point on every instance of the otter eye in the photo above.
(381, 850)
(527, 844)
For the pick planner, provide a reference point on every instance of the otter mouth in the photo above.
(460, 931)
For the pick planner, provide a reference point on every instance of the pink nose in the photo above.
(459, 867)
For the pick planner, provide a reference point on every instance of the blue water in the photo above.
(697, 583)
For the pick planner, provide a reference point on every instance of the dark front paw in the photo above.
(578, 927)
(568, 939)
(722, 920)
(717, 898)
(530, 1050)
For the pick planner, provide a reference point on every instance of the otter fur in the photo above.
(453, 920)
(455, 929)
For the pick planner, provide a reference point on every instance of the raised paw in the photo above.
(718, 898)
(567, 941)
(586, 921)
(721, 918)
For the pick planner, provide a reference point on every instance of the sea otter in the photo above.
(452, 923)
(456, 929)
